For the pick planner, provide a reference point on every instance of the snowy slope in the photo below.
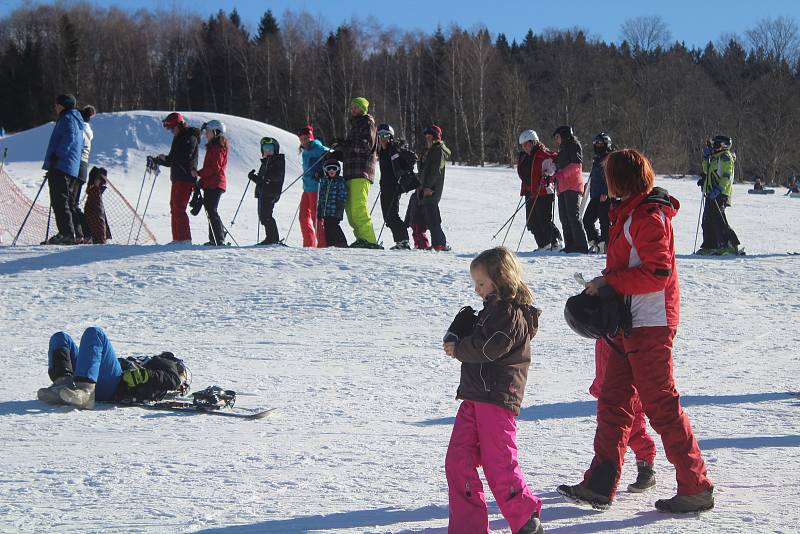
(346, 344)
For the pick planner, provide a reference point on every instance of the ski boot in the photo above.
(80, 394)
(50, 394)
(402, 245)
(684, 504)
(580, 494)
(533, 526)
(645, 479)
(442, 248)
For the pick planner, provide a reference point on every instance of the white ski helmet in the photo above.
(528, 135)
(218, 127)
(385, 130)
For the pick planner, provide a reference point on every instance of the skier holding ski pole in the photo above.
(313, 152)
(269, 181)
(535, 166)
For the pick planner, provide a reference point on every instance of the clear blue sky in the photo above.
(693, 21)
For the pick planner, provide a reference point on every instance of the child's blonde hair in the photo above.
(505, 272)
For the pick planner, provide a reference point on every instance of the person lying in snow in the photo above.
(91, 371)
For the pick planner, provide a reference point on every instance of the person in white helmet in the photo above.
(535, 167)
(212, 178)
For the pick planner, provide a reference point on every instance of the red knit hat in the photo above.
(307, 130)
(435, 131)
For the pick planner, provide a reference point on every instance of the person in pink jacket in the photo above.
(570, 185)
(494, 349)
(212, 178)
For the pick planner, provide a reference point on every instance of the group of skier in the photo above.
(545, 174)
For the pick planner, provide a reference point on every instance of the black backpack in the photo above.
(407, 178)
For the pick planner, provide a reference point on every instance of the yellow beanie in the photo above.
(361, 103)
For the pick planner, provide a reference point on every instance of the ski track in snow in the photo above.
(347, 344)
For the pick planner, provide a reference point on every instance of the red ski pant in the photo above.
(646, 368)
(640, 441)
(485, 435)
(179, 197)
(420, 238)
(313, 229)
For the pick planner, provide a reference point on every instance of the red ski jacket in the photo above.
(529, 170)
(640, 261)
(212, 175)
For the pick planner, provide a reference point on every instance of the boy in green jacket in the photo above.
(717, 185)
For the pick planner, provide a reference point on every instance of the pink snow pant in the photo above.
(485, 435)
(640, 442)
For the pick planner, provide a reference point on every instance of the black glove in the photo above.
(462, 325)
(196, 203)
(337, 144)
(702, 180)
(253, 176)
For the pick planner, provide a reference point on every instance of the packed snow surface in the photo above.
(346, 343)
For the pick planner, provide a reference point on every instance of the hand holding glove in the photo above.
(136, 377)
(462, 325)
(701, 182)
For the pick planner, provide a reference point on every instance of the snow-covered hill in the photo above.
(347, 344)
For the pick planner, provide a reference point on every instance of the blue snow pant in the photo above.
(95, 360)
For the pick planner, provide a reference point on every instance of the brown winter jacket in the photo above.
(496, 356)
(361, 149)
(95, 214)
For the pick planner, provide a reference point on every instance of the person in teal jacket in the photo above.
(313, 153)
(717, 186)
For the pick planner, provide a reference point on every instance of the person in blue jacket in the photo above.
(599, 203)
(91, 371)
(313, 153)
(62, 163)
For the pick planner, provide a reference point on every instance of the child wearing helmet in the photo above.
(212, 178)
(269, 184)
(330, 205)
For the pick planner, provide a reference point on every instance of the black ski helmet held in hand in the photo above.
(597, 316)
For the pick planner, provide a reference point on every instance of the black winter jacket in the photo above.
(569, 152)
(183, 155)
(164, 373)
(270, 176)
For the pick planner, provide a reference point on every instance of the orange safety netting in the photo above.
(14, 205)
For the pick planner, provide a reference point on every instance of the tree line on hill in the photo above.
(648, 92)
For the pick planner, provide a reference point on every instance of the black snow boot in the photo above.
(684, 504)
(533, 526)
(580, 494)
(645, 479)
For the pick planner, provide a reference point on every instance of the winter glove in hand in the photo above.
(702, 180)
(196, 202)
(714, 193)
(253, 176)
(462, 325)
(136, 377)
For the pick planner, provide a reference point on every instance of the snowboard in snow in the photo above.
(760, 191)
(188, 406)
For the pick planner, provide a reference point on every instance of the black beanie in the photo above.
(67, 101)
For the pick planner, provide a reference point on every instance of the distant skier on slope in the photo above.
(570, 186)
(269, 183)
(91, 371)
(535, 166)
(599, 202)
(212, 179)
(717, 185)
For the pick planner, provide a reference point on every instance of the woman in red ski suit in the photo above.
(640, 266)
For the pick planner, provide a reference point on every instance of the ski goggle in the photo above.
(384, 135)
(267, 146)
(331, 168)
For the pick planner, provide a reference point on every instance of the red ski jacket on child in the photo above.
(640, 261)
(212, 175)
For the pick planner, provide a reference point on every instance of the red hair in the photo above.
(628, 172)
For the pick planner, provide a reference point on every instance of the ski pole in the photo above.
(47, 231)
(376, 201)
(699, 216)
(291, 225)
(138, 199)
(527, 221)
(285, 189)
(229, 234)
(146, 205)
(24, 221)
(510, 219)
(233, 221)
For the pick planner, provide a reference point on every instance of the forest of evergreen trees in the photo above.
(647, 91)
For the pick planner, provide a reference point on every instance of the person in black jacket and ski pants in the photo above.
(269, 183)
(393, 165)
(599, 203)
